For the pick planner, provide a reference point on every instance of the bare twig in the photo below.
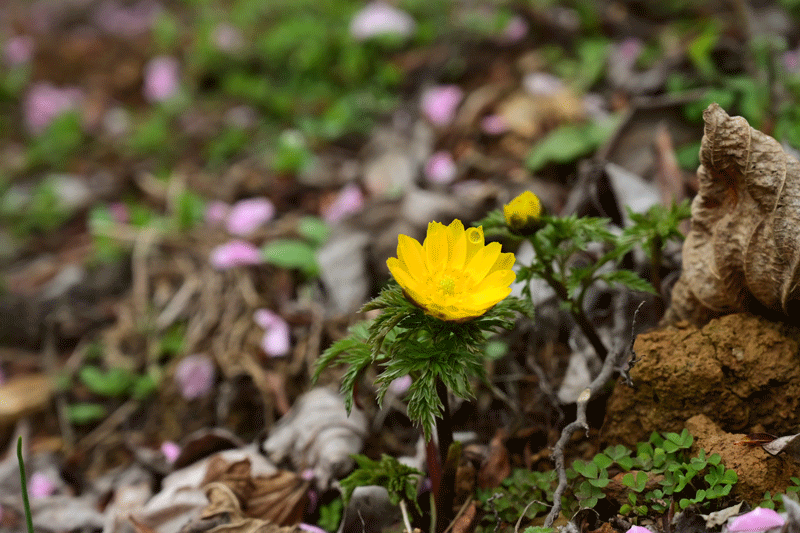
(609, 365)
(406, 521)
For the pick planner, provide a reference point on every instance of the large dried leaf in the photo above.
(744, 247)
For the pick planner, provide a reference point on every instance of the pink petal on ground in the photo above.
(161, 78)
(276, 341)
(349, 200)
(18, 50)
(439, 104)
(170, 450)
(44, 102)
(494, 125)
(119, 212)
(379, 18)
(217, 212)
(126, 20)
(233, 254)
(638, 529)
(228, 38)
(629, 50)
(515, 30)
(440, 168)
(247, 215)
(195, 376)
(40, 485)
(759, 519)
(400, 386)
(310, 528)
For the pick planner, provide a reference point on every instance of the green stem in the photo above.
(24, 485)
(655, 263)
(578, 314)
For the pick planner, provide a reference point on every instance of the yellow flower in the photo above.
(523, 212)
(452, 276)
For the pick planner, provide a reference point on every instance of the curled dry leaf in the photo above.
(743, 251)
(279, 497)
(224, 511)
(317, 433)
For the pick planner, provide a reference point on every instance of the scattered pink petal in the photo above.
(129, 20)
(18, 50)
(759, 519)
(44, 102)
(310, 528)
(233, 254)
(629, 50)
(494, 125)
(195, 376)
(170, 450)
(307, 474)
(350, 200)
(313, 501)
(638, 529)
(515, 30)
(542, 84)
(380, 18)
(161, 78)
(228, 38)
(276, 341)
(440, 168)
(439, 104)
(217, 212)
(400, 386)
(119, 212)
(247, 215)
(40, 485)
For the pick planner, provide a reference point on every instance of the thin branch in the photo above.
(609, 366)
(406, 521)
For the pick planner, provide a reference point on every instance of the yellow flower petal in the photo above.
(498, 278)
(474, 238)
(457, 241)
(402, 276)
(483, 261)
(412, 256)
(504, 262)
(435, 246)
(453, 275)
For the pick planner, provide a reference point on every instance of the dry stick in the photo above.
(406, 521)
(609, 366)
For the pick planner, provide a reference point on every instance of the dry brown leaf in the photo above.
(225, 505)
(24, 395)
(280, 497)
(496, 466)
(743, 250)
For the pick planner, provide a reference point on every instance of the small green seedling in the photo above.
(23, 481)
(398, 479)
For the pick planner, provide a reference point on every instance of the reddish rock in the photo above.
(739, 370)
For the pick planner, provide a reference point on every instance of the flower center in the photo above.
(447, 285)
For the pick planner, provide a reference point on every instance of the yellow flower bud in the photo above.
(522, 213)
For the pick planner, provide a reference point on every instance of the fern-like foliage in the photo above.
(404, 340)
